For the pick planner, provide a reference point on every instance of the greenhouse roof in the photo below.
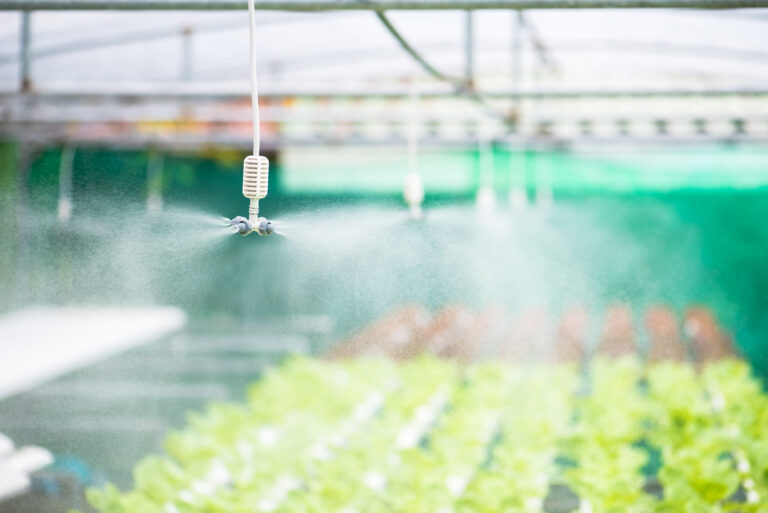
(584, 49)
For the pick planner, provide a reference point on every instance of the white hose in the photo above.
(413, 132)
(254, 82)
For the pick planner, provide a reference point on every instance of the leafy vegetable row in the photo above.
(373, 436)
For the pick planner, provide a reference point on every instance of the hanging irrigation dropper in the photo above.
(255, 180)
(255, 167)
(413, 188)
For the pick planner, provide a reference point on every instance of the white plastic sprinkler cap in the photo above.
(413, 194)
(255, 187)
(255, 183)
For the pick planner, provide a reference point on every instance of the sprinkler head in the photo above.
(413, 194)
(264, 226)
(243, 226)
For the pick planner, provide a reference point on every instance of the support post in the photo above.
(24, 52)
(469, 64)
(186, 54)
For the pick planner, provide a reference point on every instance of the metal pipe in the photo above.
(351, 55)
(217, 93)
(139, 36)
(192, 143)
(24, 55)
(493, 47)
(186, 54)
(415, 55)
(517, 47)
(537, 43)
(517, 63)
(460, 87)
(394, 119)
(372, 5)
(469, 51)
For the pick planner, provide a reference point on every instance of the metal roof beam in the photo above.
(216, 93)
(368, 5)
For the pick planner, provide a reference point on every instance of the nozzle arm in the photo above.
(243, 226)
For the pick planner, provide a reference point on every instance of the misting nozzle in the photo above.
(264, 226)
(413, 193)
(255, 181)
(243, 226)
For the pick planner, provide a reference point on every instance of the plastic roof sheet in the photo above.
(589, 49)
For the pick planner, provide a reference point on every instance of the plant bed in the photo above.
(433, 436)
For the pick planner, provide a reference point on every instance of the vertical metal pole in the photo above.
(518, 193)
(24, 52)
(65, 184)
(186, 108)
(186, 54)
(469, 64)
(517, 46)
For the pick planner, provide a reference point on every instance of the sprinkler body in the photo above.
(413, 194)
(255, 181)
(244, 226)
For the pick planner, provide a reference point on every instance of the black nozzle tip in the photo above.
(242, 225)
(266, 227)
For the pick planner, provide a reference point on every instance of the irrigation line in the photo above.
(544, 53)
(102, 92)
(459, 86)
(413, 53)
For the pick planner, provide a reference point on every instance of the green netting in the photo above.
(377, 170)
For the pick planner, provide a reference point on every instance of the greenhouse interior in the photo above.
(367, 256)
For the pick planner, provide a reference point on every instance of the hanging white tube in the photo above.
(255, 166)
(413, 188)
(254, 77)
